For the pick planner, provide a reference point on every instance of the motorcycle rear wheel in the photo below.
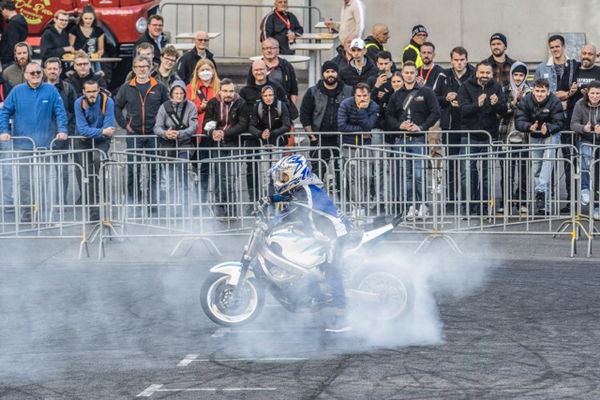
(382, 294)
(216, 297)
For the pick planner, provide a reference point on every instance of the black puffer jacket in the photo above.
(486, 117)
(549, 111)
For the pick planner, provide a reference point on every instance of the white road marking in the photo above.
(150, 390)
(154, 388)
(251, 359)
(188, 360)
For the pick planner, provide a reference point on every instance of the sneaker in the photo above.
(566, 209)
(523, 210)
(500, 210)
(540, 201)
(412, 212)
(596, 214)
(423, 211)
(585, 197)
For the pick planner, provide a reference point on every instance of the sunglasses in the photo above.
(202, 40)
(35, 73)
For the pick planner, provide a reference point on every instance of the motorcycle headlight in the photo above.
(141, 25)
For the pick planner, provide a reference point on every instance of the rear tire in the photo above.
(217, 302)
(382, 294)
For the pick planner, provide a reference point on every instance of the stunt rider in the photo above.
(302, 190)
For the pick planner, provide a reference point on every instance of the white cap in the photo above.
(357, 44)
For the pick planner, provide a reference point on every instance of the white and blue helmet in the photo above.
(289, 172)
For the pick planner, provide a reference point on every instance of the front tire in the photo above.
(381, 294)
(218, 304)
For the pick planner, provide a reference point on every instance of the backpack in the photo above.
(103, 100)
(278, 108)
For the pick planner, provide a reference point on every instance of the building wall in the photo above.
(469, 23)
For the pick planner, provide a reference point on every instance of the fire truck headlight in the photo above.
(141, 25)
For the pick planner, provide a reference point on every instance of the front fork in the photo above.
(247, 257)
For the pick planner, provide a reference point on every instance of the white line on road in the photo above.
(154, 388)
(188, 360)
(150, 390)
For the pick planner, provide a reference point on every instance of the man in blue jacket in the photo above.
(38, 117)
(94, 119)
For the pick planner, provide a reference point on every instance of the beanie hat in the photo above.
(520, 68)
(500, 37)
(418, 29)
(329, 65)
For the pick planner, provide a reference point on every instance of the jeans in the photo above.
(474, 172)
(414, 183)
(141, 173)
(7, 172)
(542, 164)
(587, 154)
(90, 162)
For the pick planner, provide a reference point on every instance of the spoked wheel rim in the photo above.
(221, 304)
(385, 291)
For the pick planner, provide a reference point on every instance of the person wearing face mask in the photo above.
(586, 123)
(204, 86)
(480, 99)
(572, 88)
(55, 39)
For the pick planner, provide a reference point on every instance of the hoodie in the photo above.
(231, 118)
(508, 122)
(583, 113)
(180, 116)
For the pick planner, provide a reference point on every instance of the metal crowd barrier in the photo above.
(45, 194)
(442, 189)
(159, 192)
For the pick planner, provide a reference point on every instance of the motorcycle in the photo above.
(286, 261)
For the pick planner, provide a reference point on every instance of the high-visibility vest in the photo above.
(418, 61)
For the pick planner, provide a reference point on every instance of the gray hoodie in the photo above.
(582, 114)
(184, 121)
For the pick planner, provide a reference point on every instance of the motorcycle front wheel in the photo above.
(382, 294)
(216, 297)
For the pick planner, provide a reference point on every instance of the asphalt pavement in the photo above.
(514, 319)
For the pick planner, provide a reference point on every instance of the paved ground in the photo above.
(514, 322)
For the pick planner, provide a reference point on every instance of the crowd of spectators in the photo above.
(181, 102)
